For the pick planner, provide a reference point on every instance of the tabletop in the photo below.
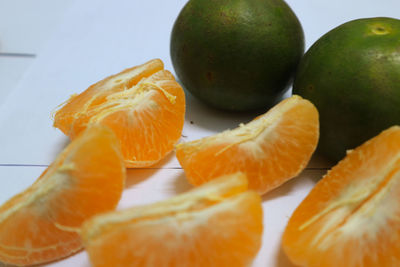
(52, 49)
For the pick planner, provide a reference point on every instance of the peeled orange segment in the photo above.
(351, 217)
(270, 150)
(144, 106)
(40, 224)
(218, 224)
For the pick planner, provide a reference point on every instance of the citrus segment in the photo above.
(218, 224)
(78, 103)
(271, 149)
(39, 224)
(144, 106)
(351, 217)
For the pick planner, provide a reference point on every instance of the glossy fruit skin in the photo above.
(236, 54)
(352, 75)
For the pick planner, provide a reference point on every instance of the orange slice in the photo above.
(351, 217)
(270, 150)
(39, 224)
(218, 224)
(143, 105)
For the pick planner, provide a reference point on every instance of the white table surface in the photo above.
(51, 49)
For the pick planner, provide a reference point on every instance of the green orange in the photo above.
(236, 54)
(352, 75)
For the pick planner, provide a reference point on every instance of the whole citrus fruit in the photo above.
(236, 54)
(352, 75)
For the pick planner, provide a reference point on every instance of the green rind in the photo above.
(352, 75)
(236, 54)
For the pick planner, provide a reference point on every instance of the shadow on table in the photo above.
(181, 185)
(136, 176)
(163, 162)
(305, 178)
(206, 117)
(280, 191)
(62, 143)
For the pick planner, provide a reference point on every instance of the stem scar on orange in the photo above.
(41, 224)
(351, 217)
(143, 105)
(270, 150)
(218, 224)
